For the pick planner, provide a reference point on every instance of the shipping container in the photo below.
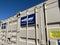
(39, 25)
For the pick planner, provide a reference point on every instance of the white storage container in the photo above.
(33, 26)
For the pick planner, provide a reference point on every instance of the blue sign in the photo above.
(24, 21)
(4, 26)
(59, 3)
(30, 19)
(58, 42)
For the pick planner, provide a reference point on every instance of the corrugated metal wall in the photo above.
(36, 33)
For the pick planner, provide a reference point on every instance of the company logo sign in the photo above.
(30, 20)
(4, 26)
(24, 21)
(58, 42)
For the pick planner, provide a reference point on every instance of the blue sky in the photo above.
(11, 7)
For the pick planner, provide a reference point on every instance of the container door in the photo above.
(13, 38)
(53, 21)
(28, 30)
